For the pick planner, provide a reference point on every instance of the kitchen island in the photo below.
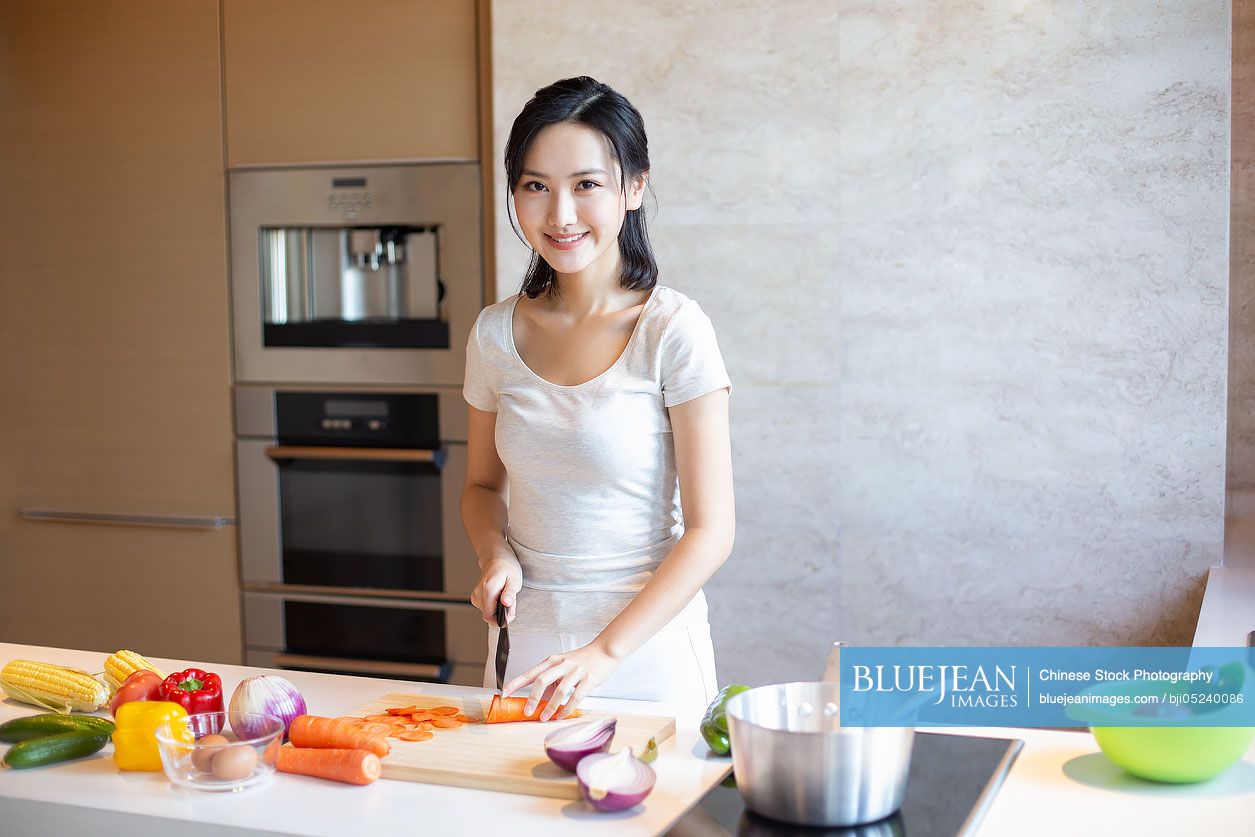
(1060, 784)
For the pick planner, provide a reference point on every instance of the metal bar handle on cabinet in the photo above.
(299, 661)
(352, 454)
(156, 521)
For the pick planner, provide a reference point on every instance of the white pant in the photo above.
(677, 665)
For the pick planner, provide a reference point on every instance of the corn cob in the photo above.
(53, 687)
(122, 664)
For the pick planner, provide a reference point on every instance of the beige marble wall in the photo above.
(968, 265)
(1241, 471)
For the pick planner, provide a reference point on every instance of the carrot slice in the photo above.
(511, 709)
(328, 733)
(446, 723)
(357, 767)
(381, 719)
(401, 710)
(466, 719)
(416, 735)
(443, 710)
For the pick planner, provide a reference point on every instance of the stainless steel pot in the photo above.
(794, 762)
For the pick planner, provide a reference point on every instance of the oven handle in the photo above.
(278, 452)
(280, 592)
(351, 666)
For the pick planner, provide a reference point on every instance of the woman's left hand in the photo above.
(564, 680)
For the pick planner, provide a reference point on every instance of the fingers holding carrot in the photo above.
(563, 680)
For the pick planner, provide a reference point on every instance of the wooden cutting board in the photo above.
(500, 757)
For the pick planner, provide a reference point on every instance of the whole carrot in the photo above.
(357, 767)
(334, 734)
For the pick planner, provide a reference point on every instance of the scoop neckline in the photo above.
(514, 349)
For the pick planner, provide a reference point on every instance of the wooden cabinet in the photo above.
(116, 352)
(115, 342)
(329, 80)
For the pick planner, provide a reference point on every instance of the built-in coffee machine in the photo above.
(354, 292)
(352, 286)
(361, 275)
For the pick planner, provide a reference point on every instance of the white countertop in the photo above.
(1060, 784)
(302, 805)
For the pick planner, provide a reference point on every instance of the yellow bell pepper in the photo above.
(135, 739)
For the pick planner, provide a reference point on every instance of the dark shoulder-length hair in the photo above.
(588, 102)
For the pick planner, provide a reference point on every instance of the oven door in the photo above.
(372, 520)
(400, 639)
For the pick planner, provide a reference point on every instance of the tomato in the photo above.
(141, 685)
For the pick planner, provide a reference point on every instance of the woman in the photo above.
(599, 482)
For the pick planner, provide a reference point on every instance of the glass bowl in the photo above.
(242, 762)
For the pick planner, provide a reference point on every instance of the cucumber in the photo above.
(51, 749)
(37, 726)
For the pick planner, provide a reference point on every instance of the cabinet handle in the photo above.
(155, 521)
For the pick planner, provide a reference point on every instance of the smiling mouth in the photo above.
(566, 239)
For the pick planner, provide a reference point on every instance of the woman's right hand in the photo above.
(501, 578)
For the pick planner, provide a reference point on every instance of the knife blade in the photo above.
(503, 644)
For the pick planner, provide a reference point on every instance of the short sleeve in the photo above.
(691, 362)
(479, 387)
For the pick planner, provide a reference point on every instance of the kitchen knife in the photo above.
(503, 644)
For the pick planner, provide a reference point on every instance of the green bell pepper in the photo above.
(714, 724)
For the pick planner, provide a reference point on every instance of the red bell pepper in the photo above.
(194, 690)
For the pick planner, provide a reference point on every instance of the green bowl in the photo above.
(1174, 754)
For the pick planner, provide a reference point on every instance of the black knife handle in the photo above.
(500, 614)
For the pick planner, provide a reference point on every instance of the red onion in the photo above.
(565, 747)
(613, 782)
(265, 694)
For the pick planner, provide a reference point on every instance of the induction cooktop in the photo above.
(951, 782)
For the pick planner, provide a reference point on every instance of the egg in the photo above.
(206, 748)
(235, 762)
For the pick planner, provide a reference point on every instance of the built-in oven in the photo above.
(353, 556)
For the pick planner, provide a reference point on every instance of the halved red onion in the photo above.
(614, 781)
(565, 747)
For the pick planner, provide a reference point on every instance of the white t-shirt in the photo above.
(594, 497)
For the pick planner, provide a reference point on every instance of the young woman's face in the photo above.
(568, 200)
